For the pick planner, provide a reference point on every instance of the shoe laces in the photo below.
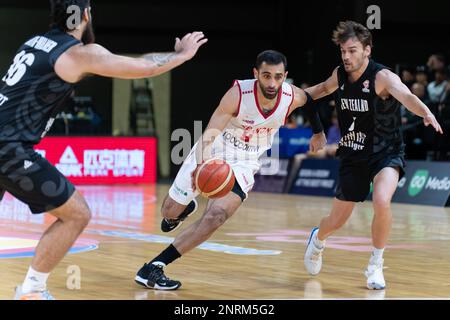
(158, 273)
(316, 253)
(373, 268)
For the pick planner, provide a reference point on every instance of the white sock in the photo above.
(34, 281)
(377, 255)
(318, 243)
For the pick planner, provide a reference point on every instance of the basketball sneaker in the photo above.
(152, 276)
(168, 225)
(35, 295)
(374, 274)
(313, 254)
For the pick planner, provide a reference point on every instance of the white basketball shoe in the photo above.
(374, 274)
(35, 295)
(313, 254)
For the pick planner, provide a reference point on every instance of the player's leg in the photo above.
(45, 189)
(151, 275)
(384, 186)
(72, 218)
(340, 213)
(180, 203)
(353, 187)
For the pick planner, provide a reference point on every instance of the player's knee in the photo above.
(381, 201)
(215, 217)
(82, 216)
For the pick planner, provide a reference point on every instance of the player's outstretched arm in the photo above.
(83, 60)
(324, 88)
(388, 81)
(227, 108)
(304, 100)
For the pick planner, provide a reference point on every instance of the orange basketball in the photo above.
(214, 178)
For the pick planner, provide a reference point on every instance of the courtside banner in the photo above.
(292, 141)
(426, 183)
(268, 181)
(102, 160)
(316, 177)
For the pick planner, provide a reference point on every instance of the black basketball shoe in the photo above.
(152, 276)
(168, 225)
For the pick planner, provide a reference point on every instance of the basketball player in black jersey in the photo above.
(41, 77)
(368, 97)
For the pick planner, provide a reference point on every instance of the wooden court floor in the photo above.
(257, 254)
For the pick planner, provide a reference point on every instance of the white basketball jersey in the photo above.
(251, 132)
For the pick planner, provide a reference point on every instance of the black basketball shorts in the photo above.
(355, 177)
(31, 178)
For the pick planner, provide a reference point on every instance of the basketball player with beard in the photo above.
(240, 130)
(368, 97)
(37, 84)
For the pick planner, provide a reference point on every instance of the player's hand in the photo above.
(187, 46)
(430, 119)
(317, 142)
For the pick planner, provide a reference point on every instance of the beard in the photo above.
(88, 36)
(267, 95)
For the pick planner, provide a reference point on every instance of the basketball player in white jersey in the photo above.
(241, 129)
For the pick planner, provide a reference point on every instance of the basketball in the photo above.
(214, 178)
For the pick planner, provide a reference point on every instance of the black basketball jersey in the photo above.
(369, 125)
(31, 93)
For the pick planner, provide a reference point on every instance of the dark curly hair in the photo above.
(59, 15)
(351, 29)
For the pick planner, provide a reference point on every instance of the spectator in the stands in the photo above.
(436, 62)
(408, 77)
(436, 89)
(422, 77)
(413, 132)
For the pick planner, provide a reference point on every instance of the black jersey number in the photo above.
(18, 68)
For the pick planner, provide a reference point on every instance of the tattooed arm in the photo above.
(82, 60)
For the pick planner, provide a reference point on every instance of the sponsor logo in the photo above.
(99, 163)
(68, 164)
(417, 182)
(180, 191)
(353, 140)
(237, 143)
(423, 181)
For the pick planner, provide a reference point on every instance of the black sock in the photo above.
(169, 255)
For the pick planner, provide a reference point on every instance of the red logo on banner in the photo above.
(102, 160)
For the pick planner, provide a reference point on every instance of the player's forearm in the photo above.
(413, 104)
(318, 91)
(159, 63)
